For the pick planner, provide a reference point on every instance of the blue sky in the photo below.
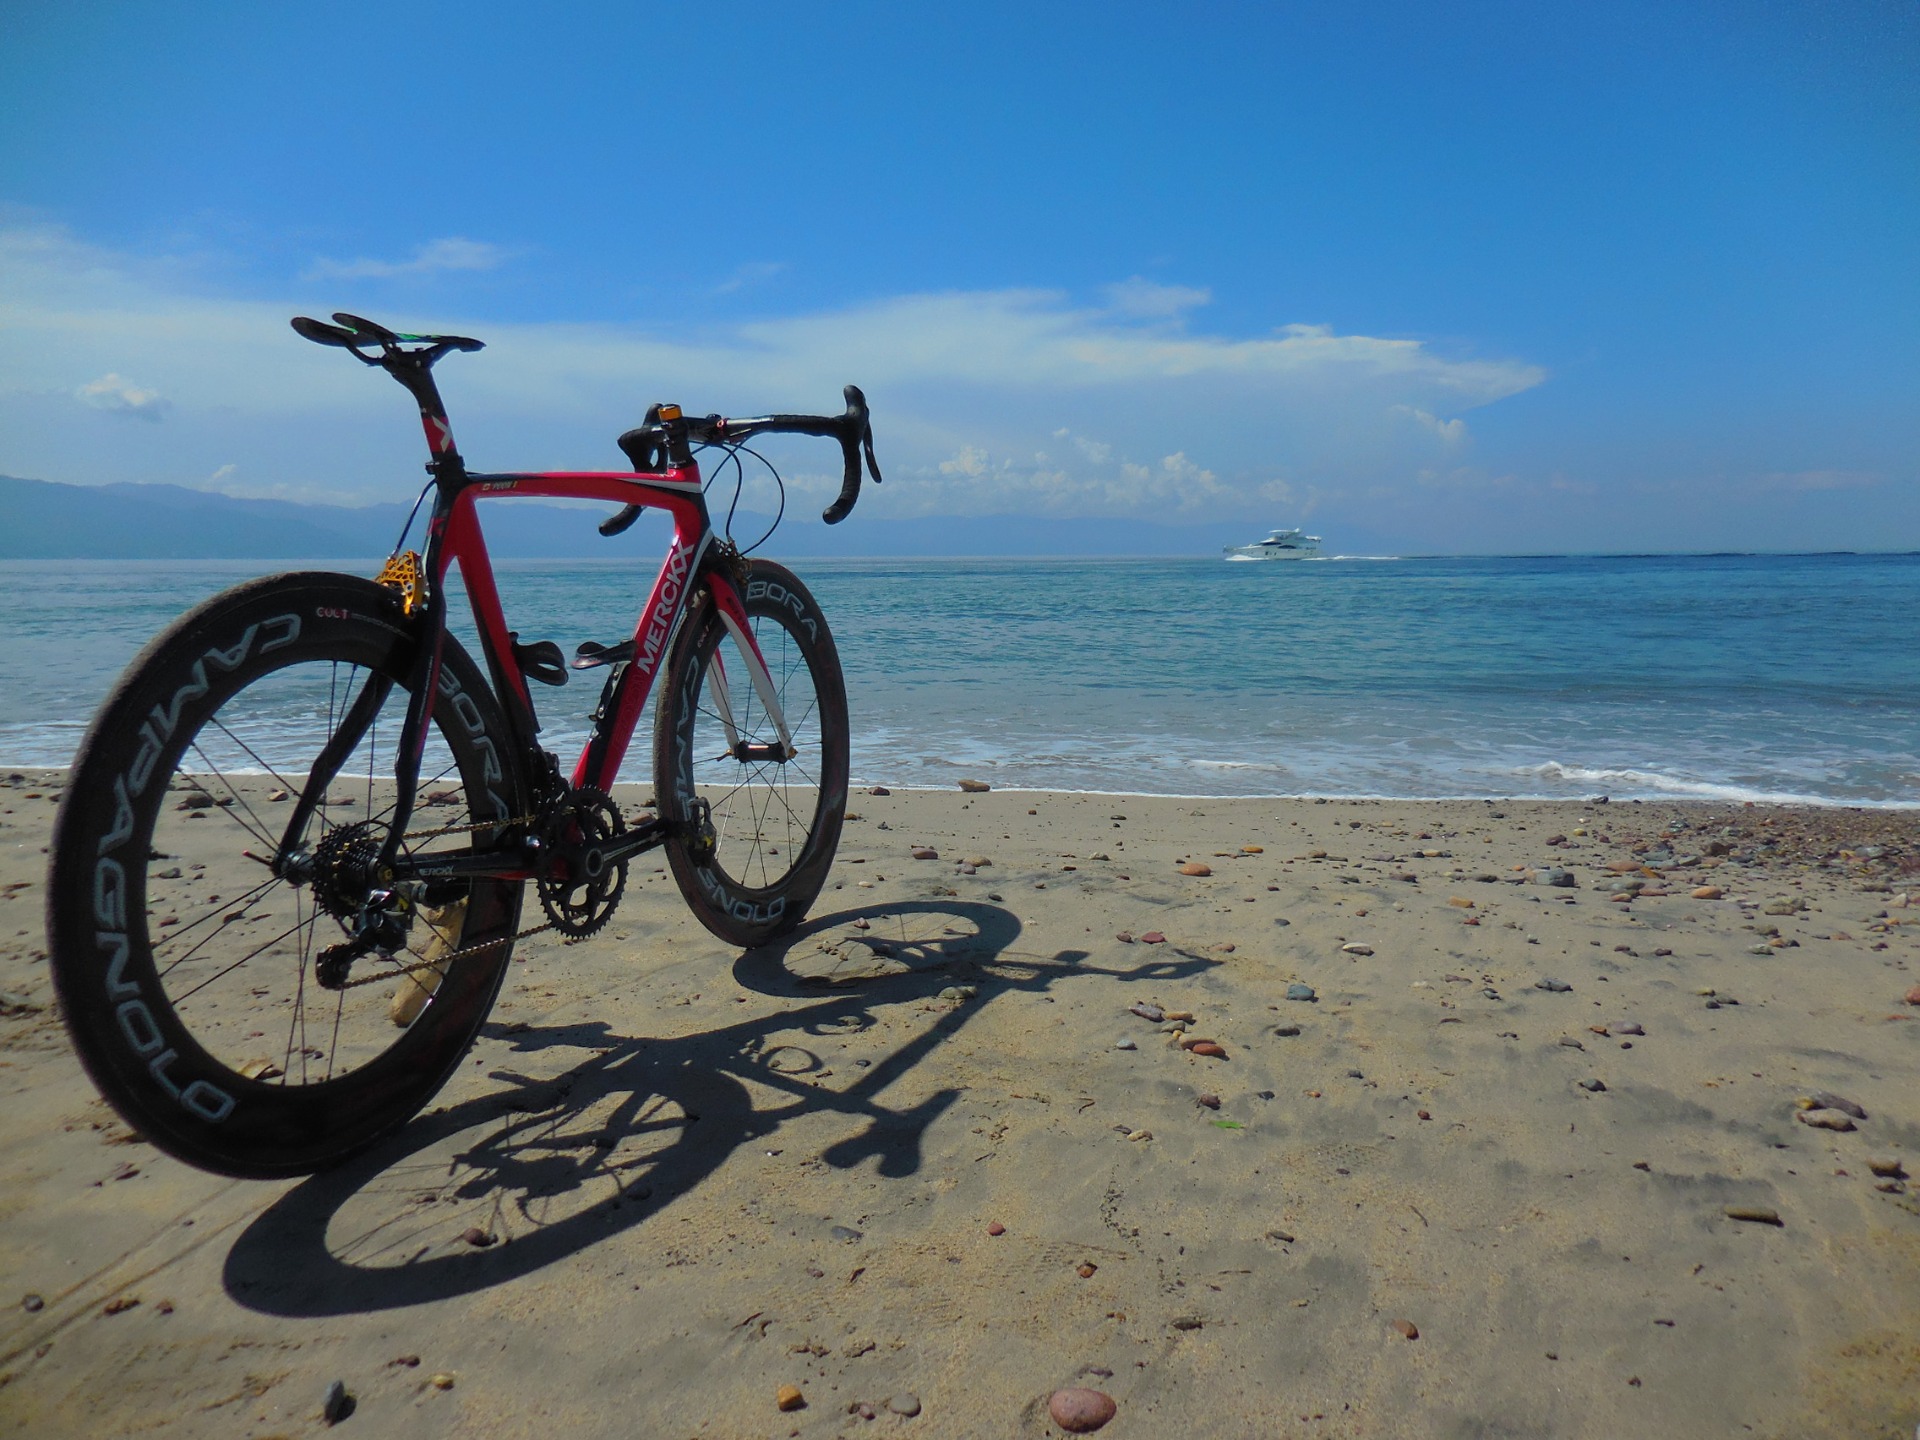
(1479, 277)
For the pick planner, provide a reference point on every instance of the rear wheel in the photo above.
(187, 969)
(774, 820)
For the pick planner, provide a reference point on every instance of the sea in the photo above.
(1777, 678)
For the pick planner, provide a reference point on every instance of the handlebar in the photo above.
(659, 440)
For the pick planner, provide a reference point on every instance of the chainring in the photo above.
(578, 889)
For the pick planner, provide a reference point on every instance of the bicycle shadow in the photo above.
(546, 1168)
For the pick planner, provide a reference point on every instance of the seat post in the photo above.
(415, 371)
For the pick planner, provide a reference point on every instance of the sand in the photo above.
(710, 1175)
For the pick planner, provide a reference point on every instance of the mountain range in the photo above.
(46, 520)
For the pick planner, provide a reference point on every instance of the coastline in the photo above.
(1563, 1253)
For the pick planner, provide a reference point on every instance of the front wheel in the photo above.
(754, 828)
(188, 912)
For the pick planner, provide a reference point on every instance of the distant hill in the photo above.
(45, 520)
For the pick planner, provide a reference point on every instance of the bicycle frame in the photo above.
(454, 537)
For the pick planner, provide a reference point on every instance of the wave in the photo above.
(1675, 785)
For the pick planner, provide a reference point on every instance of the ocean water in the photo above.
(1791, 678)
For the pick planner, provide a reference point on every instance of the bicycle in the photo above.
(378, 943)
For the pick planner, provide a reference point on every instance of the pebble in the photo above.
(1708, 892)
(1556, 877)
(975, 787)
(1887, 1165)
(1758, 1214)
(476, 1237)
(1286, 1029)
(1596, 1086)
(846, 1234)
(1913, 996)
(979, 862)
(440, 1380)
(1153, 937)
(959, 992)
(904, 1404)
(32, 1304)
(1125, 1043)
(338, 1403)
(1827, 1100)
(1212, 1102)
(1125, 937)
(1824, 1119)
(1087, 1270)
(788, 1397)
(1253, 850)
(1140, 1135)
(1148, 1012)
(1298, 991)
(276, 795)
(1196, 867)
(925, 852)
(1571, 1043)
(1354, 947)
(878, 790)
(994, 1227)
(1557, 986)
(1208, 1047)
(1407, 1328)
(1460, 902)
(1625, 1027)
(1080, 1411)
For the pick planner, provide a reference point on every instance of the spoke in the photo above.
(265, 829)
(243, 902)
(228, 970)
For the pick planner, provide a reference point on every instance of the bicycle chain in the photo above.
(447, 961)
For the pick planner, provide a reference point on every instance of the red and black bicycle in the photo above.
(391, 799)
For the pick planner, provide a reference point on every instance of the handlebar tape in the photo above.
(853, 433)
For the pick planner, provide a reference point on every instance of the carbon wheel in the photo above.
(188, 971)
(754, 832)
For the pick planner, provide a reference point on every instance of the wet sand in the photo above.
(708, 1175)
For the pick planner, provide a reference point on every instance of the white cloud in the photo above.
(1148, 300)
(452, 253)
(1448, 432)
(753, 273)
(222, 473)
(961, 382)
(115, 395)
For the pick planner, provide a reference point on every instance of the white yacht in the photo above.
(1280, 545)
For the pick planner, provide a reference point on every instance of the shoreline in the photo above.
(708, 1174)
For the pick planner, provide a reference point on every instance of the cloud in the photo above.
(1148, 300)
(973, 391)
(451, 253)
(222, 473)
(753, 273)
(1448, 432)
(116, 396)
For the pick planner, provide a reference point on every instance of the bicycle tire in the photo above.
(244, 1066)
(762, 811)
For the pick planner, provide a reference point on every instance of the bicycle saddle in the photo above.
(353, 333)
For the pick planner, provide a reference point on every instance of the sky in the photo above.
(1479, 278)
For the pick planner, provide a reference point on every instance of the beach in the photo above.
(1467, 1161)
